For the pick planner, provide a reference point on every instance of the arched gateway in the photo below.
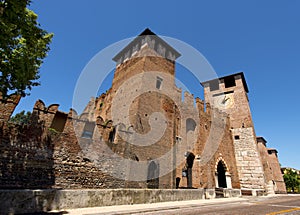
(222, 175)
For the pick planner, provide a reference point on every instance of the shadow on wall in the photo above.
(26, 157)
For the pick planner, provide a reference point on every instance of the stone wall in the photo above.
(32, 201)
(248, 159)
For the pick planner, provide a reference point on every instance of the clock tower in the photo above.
(229, 94)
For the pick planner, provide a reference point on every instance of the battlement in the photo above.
(151, 40)
(7, 106)
(224, 83)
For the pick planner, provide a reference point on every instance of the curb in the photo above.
(144, 208)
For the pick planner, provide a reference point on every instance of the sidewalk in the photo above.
(139, 208)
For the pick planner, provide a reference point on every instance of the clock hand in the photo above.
(224, 100)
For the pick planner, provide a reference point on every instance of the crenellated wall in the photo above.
(46, 153)
(204, 144)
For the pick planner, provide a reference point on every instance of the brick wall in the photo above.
(26, 158)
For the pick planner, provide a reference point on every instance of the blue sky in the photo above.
(260, 38)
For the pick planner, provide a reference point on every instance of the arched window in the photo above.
(153, 175)
(190, 125)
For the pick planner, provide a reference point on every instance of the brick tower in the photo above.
(229, 94)
(144, 75)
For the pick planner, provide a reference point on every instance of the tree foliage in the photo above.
(23, 46)
(21, 118)
(292, 180)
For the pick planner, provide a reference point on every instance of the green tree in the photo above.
(21, 118)
(23, 46)
(291, 179)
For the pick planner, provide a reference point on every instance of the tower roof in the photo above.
(272, 150)
(147, 31)
(144, 38)
(262, 140)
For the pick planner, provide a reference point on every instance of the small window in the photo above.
(88, 130)
(214, 85)
(159, 81)
(236, 137)
(229, 82)
(178, 138)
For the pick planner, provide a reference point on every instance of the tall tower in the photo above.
(144, 75)
(229, 94)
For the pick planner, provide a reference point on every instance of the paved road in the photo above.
(272, 206)
(283, 204)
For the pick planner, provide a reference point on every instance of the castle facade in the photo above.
(141, 133)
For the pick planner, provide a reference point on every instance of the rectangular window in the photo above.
(236, 137)
(159, 81)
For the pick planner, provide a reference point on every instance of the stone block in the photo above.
(210, 193)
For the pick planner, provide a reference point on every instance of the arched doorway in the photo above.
(153, 175)
(190, 140)
(221, 173)
(189, 164)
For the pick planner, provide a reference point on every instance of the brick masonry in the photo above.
(65, 150)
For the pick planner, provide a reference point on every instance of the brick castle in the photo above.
(208, 143)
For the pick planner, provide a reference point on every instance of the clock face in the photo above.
(224, 101)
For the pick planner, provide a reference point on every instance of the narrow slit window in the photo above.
(112, 135)
(159, 81)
